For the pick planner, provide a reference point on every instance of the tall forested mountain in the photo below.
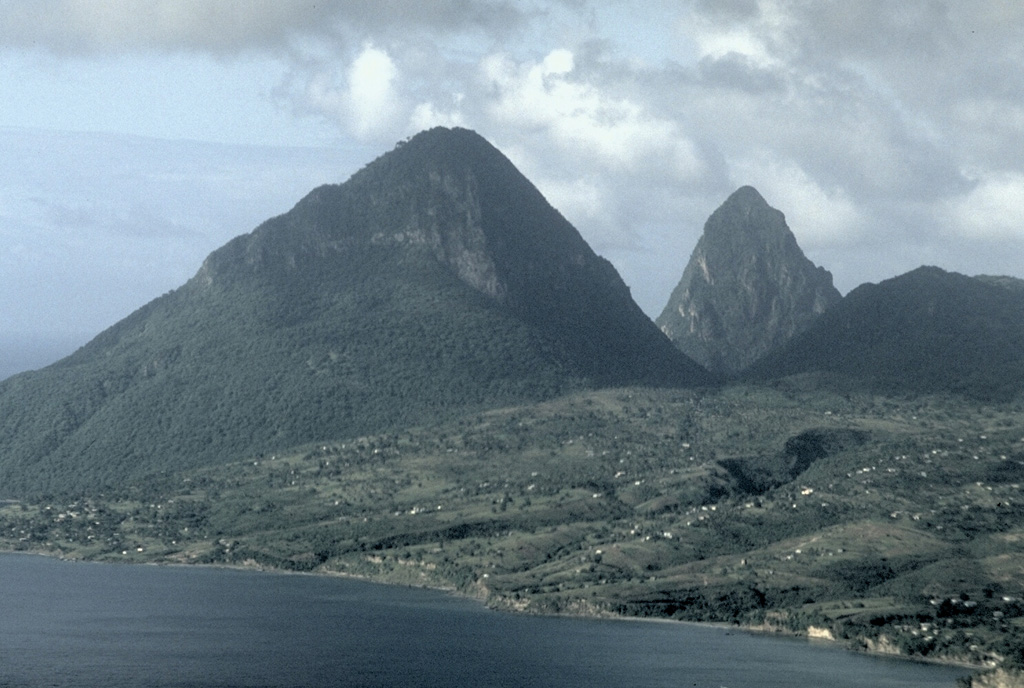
(435, 279)
(928, 331)
(747, 288)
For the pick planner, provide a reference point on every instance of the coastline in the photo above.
(501, 605)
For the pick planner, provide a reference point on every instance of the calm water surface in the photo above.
(78, 624)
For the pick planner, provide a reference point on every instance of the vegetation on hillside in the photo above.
(436, 281)
(925, 332)
(894, 525)
(240, 372)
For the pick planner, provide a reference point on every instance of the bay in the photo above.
(83, 624)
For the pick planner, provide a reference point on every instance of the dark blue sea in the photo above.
(107, 625)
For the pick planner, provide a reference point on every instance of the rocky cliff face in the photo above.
(747, 288)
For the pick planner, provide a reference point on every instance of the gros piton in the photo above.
(436, 279)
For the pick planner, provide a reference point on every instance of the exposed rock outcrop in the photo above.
(747, 288)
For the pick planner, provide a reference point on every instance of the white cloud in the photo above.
(579, 117)
(755, 33)
(855, 119)
(993, 210)
(817, 216)
(372, 99)
(720, 44)
(366, 101)
(427, 115)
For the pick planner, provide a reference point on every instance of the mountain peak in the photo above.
(746, 289)
(445, 191)
(444, 145)
(441, 148)
(450, 200)
(745, 196)
(436, 280)
(746, 213)
(448, 136)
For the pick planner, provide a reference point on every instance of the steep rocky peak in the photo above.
(745, 198)
(746, 217)
(448, 198)
(439, 191)
(746, 289)
(483, 218)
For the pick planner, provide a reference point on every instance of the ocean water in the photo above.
(107, 625)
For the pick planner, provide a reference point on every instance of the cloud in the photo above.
(110, 26)
(948, 71)
(993, 210)
(735, 42)
(818, 216)
(86, 27)
(427, 115)
(888, 132)
(739, 72)
(580, 117)
(364, 99)
(372, 99)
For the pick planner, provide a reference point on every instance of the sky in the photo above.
(137, 136)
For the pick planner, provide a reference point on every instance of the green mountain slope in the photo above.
(928, 331)
(435, 280)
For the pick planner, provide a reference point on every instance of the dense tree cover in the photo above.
(162, 396)
(928, 331)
